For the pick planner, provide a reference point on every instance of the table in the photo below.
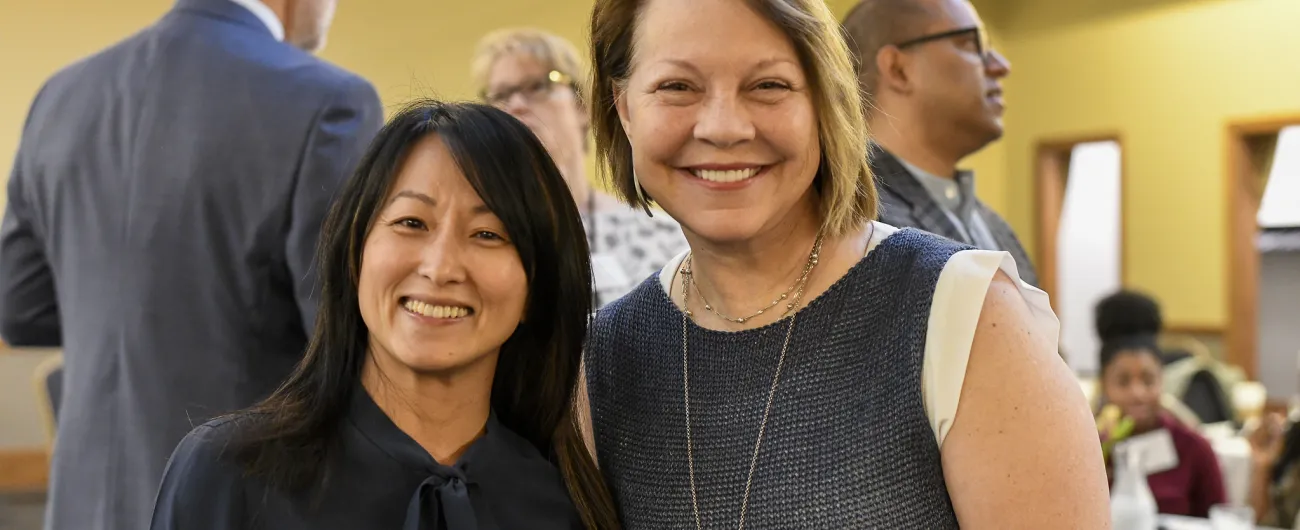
(1178, 522)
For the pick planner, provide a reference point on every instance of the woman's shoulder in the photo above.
(211, 449)
(203, 484)
(646, 297)
(518, 457)
(959, 272)
(624, 325)
(212, 441)
(962, 268)
(969, 283)
(911, 241)
(958, 259)
(510, 469)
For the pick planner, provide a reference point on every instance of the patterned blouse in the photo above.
(627, 246)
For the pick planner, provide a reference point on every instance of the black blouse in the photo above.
(383, 480)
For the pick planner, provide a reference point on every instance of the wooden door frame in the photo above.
(1242, 210)
(1051, 166)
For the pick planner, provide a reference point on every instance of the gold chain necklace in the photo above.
(797, 286)
(771, 394)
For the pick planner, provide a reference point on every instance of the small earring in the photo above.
(636, 183)
(640, 194)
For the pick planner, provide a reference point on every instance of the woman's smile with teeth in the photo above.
(725, 175)
(436, 311)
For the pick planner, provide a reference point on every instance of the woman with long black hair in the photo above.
(435, 394)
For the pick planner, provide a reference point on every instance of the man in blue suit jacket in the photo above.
(163, 213)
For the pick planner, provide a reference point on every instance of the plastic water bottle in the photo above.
(1132, 506)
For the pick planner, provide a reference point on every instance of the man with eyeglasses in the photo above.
(933, 86)
(534, 75)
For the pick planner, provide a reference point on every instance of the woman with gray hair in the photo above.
(803, 366)
(534, 75)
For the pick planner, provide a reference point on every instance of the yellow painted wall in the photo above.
(411, 48)
(1168, 75)
(406, 48)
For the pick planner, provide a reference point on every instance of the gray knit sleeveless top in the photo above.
(848, 443)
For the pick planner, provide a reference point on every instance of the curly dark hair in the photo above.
(1126, 321)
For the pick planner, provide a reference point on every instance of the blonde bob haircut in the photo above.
(843, 180)
(552, 51)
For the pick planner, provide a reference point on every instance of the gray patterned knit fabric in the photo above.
(848, 444)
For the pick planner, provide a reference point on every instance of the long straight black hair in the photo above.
(291, 438)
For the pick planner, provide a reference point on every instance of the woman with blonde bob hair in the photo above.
(803, 366)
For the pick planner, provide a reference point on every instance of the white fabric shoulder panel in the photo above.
(954, 315)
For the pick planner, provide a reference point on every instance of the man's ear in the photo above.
(895, 70)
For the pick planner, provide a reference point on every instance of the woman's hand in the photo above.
(1023, 451)
(1267, 440)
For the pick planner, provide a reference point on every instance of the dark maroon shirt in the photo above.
(1197, 483)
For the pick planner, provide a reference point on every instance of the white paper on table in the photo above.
(1156, 448)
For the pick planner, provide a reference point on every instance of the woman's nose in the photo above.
(442, 261)
(723, 121)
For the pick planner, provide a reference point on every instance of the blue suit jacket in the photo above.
(163, 213)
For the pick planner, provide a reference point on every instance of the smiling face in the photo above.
(551, 110)
(1132, 381)
(719, 114)
(441, 286)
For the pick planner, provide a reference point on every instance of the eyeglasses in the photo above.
(982, 46)
(534, 91)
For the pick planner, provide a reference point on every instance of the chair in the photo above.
(49, 392)
(1201, 381)
(1206, 397)
(1180, 411)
